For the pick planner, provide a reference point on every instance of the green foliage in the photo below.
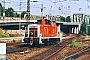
(17, 15)
(62, 18)
(62, 57)
(88, 30)
(1, 11)
(22, 14)
(76, 44)
(68, 19)
(4, 34)
(9, 12)
(87, 37)
(83, 28)
(0, 4)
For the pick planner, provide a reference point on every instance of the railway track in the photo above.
(79, 53)
(52, 51)
(44, 55)
(13, 45)
(12, 48)
(48, 54)
(17, 48)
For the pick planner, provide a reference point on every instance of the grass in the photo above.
(76, 44)
(9, 35)
(62, 57)
(87, 37)
(4, 34)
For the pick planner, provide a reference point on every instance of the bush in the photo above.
(76, 44)
(4, 34)
(87, 37)
(62, 57)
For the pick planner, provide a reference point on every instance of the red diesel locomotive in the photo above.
(43, 31)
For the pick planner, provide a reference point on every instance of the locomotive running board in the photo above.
(50, 37)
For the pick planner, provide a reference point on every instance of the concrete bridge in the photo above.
(15, 24)
(69, 27)
(72, 27)
(21, 24)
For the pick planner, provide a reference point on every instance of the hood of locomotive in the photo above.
(34, 30)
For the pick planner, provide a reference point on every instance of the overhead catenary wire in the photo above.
(54, 3)
(45, 9)
(61, 7)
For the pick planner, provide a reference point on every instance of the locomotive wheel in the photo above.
(52, 43)
(47, 43)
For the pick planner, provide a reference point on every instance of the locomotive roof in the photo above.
(48, 19)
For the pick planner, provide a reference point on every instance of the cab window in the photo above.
(39, 21)
(48, 22)
(53, 23)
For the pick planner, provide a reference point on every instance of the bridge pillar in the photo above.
(72, 30)
(79, 27)
(75, 30)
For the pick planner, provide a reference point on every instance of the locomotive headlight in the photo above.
(31, 33)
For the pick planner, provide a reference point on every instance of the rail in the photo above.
(77, 54)
(52, 51)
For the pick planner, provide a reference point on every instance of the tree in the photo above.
(83, 28)
(0, 5)
(17, 15)
(68, 19)
(62, 18)
(6, 13)
(9, 12)
(22, 14)
(88, 30)
(0, 9)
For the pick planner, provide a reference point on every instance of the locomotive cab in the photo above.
(42, 32)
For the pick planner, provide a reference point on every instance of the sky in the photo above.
(51, 7)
